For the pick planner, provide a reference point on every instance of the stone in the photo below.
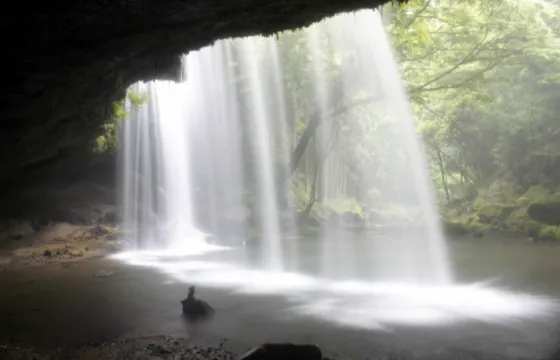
(194, 308)
(283, 351)
(47, 253)
(545, 213)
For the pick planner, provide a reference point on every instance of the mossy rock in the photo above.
(535, 194)
(488, 213)
(494, 213)
(549, 233)
(479, 227)
(464, 225)
(520, 222)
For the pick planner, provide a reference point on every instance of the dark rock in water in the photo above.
(47, 253)
(548, 213)
(284, 351)
(455, 228)
(194, 308)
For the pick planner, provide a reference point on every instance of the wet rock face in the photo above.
(69, 59)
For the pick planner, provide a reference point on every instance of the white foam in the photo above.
(371, 305)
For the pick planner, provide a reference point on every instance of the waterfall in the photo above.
(211, 155)
(369, 71)
(157, 201)
(207, 161)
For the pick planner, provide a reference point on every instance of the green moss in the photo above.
(533, 195)
(478, 203)
(549, 232)
(464, 224)
(519, 222)
(555, 197)
(489, 213)
(478, 227)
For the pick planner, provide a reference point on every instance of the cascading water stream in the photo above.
(184, 153)
(371, 71)
(206, 156)
(260, 116)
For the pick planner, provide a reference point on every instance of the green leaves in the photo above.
(481, 75)
(108, 140)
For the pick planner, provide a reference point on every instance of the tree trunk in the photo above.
(442, 171)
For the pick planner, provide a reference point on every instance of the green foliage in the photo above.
(344, 205)
(482, 78)
(481, 75)
(108, 141)
(549, 232)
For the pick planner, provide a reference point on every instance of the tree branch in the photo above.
(454, 67)
(314, 123)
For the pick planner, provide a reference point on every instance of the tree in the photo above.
(480, 76)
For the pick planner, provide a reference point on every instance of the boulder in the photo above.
(284, 351)
(194, 308)
(546, 213)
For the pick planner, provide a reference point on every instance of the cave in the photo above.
(69, 60)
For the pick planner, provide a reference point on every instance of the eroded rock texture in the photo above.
(65, 61)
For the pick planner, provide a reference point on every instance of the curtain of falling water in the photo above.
(259, 117)
(157, 204)
(184, 153)
(362, 37)
(284, 148)
(140, 218)
(216, 143)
